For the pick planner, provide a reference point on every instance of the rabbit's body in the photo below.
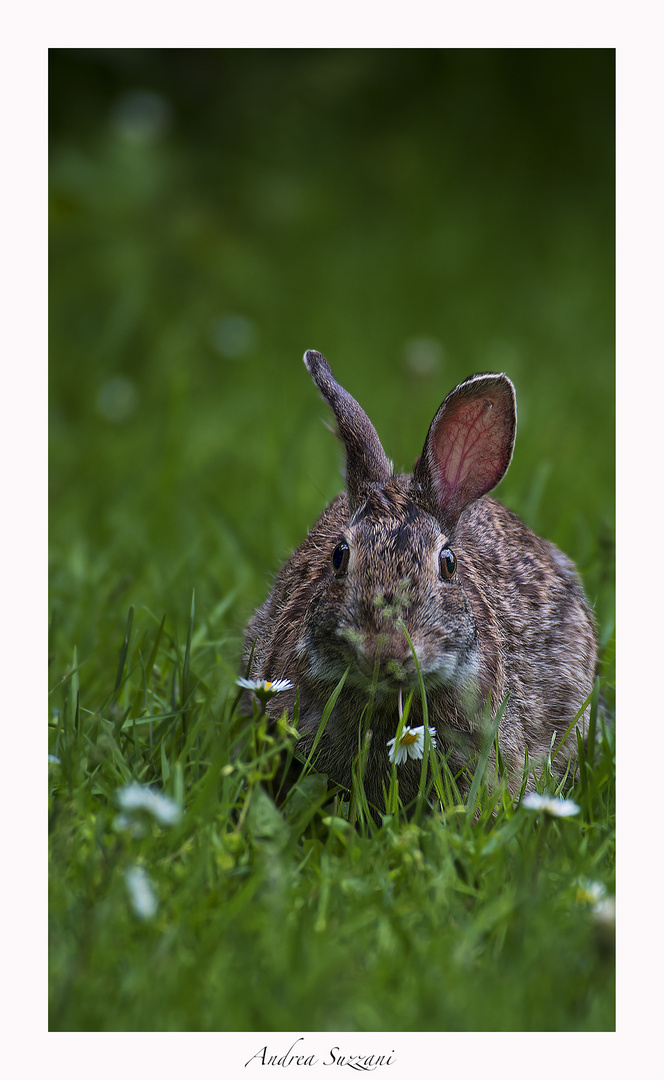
(490, 608)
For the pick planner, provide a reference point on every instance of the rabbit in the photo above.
(490, 608)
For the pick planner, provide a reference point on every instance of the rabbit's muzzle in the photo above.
(392, 635)
(382, 655)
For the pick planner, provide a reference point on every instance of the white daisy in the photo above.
(550, 805)
(411, 744)
(265, 688)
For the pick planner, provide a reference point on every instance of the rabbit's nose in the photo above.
(386, 651)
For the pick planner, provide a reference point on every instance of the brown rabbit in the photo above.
(490, 608)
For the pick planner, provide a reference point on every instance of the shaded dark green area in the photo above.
(416, 216)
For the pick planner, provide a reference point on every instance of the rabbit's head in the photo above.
(393, 594)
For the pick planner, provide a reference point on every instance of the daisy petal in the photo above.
(265, 688)
(411, 745)
(550, 804)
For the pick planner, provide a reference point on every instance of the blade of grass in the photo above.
(185, 688)
(123, 654)
(571, 726)
(427, 755)
(592, 721)
(327, 711)
(74, 695)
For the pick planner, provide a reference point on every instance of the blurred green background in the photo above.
(416, 215)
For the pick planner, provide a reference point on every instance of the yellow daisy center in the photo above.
(408, 738)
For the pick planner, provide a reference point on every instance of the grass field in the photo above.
(416, 216)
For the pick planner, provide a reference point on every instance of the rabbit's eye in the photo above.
(340, 557)
(447, 562)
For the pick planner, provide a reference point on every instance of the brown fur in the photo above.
(512, 619)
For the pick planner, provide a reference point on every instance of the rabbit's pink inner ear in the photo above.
(469, 446)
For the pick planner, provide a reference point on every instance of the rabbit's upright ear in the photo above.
(366, 462)
(469, 445)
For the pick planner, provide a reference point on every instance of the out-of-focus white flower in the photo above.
(142, 896)
(602, 906)
(590, 892)
(136, 798)
(411, 744)
(550, 804)
(604, 912)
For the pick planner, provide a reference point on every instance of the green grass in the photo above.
(273, 918)
(352, 201)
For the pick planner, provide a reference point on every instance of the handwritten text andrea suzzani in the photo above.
(296, 1055)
